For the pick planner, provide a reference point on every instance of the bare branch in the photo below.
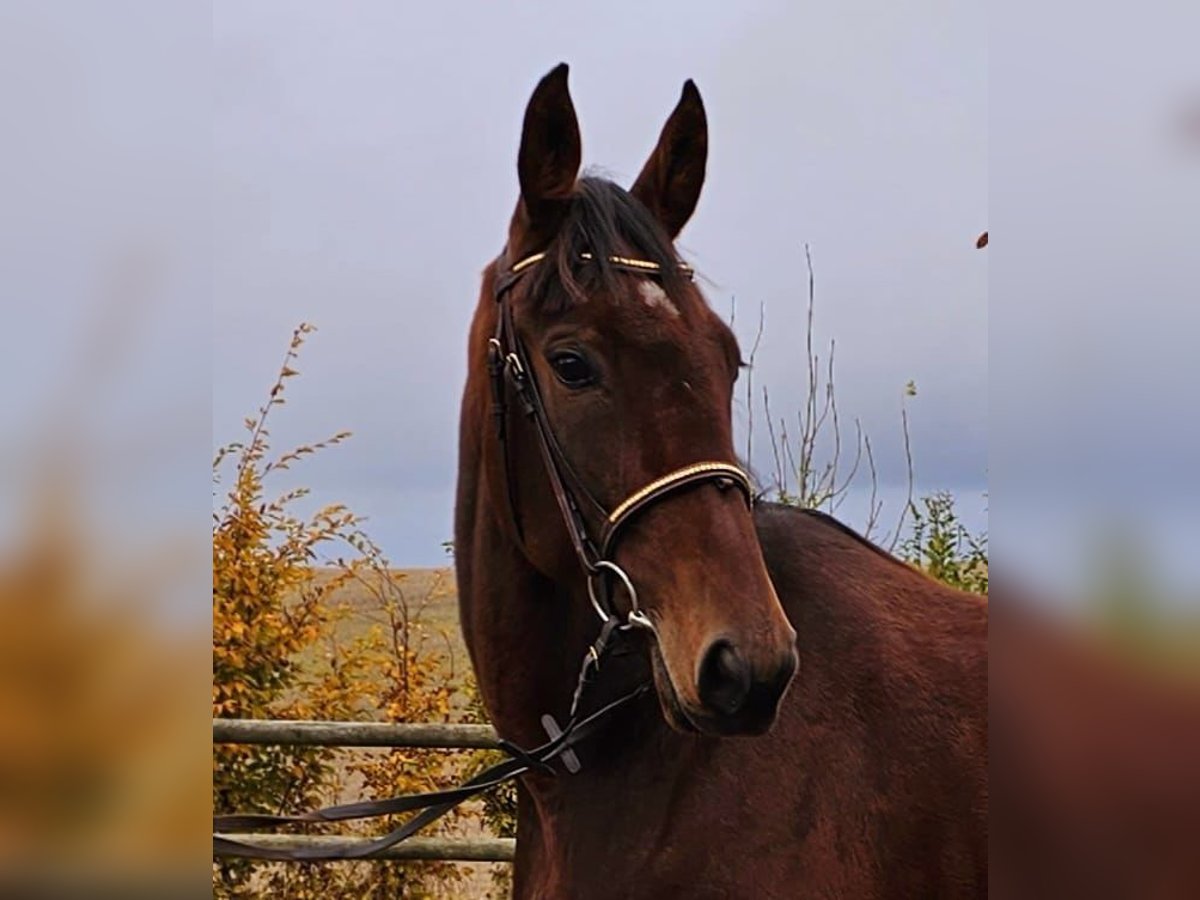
(750, 383)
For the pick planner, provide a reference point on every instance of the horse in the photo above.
(817, 725)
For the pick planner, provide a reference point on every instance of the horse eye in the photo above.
(572, 369)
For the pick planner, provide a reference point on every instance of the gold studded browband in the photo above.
(621, 262)
(508, 275)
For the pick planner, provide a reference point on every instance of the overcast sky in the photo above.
(366, 172)
(353, 165)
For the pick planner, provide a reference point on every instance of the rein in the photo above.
(508, 366)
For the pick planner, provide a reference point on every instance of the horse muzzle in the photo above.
(737, 696)
(733, 696)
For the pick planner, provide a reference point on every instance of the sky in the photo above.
(365, 172)
(184, 183)
(1094, 198)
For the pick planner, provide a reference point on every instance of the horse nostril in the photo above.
(724, 681)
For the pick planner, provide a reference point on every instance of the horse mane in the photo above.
(602, 219)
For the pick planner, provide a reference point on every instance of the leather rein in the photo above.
(510, 371)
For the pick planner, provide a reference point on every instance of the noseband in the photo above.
(508, 364)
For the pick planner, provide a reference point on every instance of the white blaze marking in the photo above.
(655, 296)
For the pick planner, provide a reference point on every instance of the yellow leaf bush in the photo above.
(290, 595)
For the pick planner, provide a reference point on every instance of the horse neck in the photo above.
(526, 634)
(528, 638)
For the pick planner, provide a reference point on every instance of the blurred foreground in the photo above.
(1095, 756)
(104, 764)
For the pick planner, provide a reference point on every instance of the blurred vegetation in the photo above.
(99, 774)
(1133, 605)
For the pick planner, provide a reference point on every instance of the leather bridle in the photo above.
(509, 368)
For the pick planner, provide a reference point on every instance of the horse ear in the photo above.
(670, 182)
(548, 162)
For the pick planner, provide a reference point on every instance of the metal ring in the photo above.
(641, 620)
(620, 573)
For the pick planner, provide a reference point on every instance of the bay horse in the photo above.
(818, 723)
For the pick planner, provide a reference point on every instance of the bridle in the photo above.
(509, 368)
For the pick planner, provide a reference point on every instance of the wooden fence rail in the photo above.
(353, 734)
(447, 849)
(370, 734)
